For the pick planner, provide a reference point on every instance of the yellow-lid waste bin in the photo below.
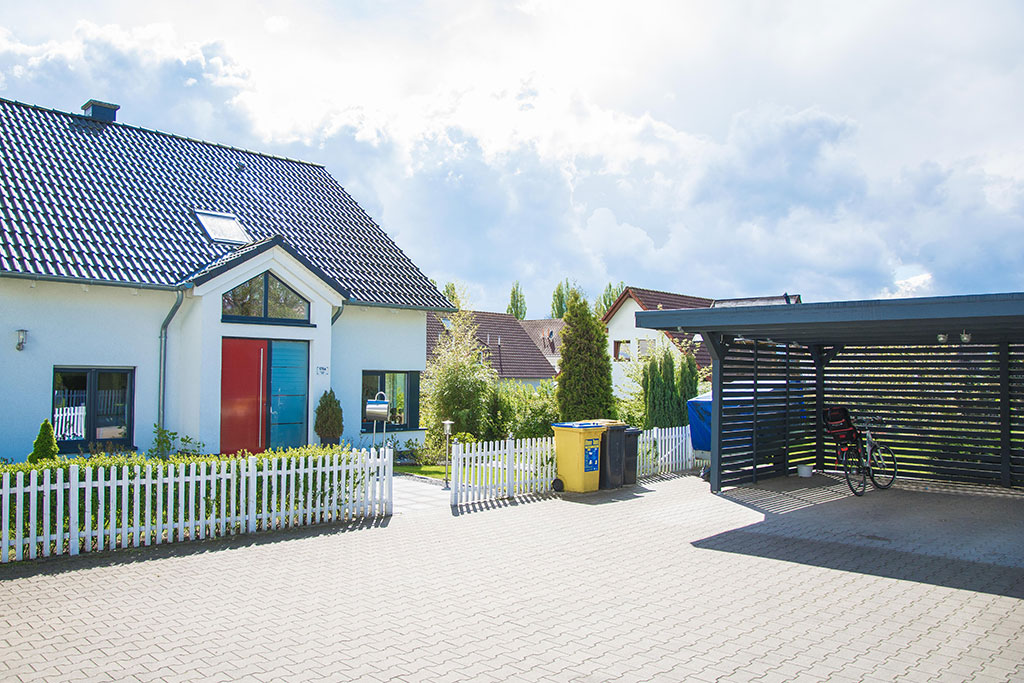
(578, 454)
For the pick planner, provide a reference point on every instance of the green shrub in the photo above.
(520, 409)
(329, 421)
(45, 445)
(455, 385)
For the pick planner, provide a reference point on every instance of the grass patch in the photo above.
(432, 471)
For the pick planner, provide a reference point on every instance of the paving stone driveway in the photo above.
(789, 580)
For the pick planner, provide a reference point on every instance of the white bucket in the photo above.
(804, 471)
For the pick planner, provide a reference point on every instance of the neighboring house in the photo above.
(546, 333)
(628, 342)
(151, 278)
(513, 354)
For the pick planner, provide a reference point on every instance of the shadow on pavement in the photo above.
(485, 505)
(59, 564)
(964, 538)
(634, 492)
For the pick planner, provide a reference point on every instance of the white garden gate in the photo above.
(491, 470)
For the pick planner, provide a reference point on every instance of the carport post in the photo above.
(1004, 414)
(819, 407)
(717, 348)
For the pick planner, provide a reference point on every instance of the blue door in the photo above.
(289, 377)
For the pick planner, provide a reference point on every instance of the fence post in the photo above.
(389, 468)
(251, 494)
(73, 530)
(5, 500)
(510, 471)
(456, 468)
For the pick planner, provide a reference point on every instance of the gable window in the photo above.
(264, 299)
(92, 405)
(622, 350)
(403, 392)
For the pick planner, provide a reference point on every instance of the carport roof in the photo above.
(989, 318)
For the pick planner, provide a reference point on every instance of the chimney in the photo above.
(100, 111)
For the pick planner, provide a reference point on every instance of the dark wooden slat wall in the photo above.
(944, 408)
(770, 431)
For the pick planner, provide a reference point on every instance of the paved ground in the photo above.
(791, 580)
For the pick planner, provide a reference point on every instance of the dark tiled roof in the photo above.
(546, 333)
(516, 358)
(84, 199)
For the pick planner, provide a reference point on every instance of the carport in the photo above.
(945, 375)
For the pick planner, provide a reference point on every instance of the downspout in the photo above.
(337, 313)
(162, 379)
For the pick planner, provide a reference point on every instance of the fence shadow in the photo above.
(964, 539)
(59, 564)
(497, 504)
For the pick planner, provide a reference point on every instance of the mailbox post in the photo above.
(377, 410)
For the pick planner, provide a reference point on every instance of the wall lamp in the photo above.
(22, 336)
(965, 337)
(942, 337)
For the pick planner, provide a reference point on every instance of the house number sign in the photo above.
(322, 369)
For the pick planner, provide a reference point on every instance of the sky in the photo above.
(833, 149)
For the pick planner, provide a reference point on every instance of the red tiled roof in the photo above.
(513, 353)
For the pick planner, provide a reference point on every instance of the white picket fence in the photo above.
(490, 470)
(664, 449)
(53, 512)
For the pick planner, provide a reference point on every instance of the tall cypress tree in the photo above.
(585, 384)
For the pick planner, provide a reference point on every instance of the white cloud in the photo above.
(704, 148)
(277, 24)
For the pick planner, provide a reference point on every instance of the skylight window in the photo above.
(223, 227)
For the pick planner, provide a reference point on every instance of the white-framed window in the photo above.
(643, 347)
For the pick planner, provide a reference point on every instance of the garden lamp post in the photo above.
(447, 454)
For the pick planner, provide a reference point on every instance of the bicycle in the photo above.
(859, 462)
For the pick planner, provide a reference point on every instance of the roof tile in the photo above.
(115, 202)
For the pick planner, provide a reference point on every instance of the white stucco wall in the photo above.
(195, 339)
(372, 338)
(622, 326)
(118, 327)
(68, 326)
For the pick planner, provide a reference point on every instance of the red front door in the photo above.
(243, 395)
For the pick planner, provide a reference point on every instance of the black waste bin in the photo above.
(630, 443)
(612, 452)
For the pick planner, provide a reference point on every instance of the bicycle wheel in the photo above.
(856, 475)
(882, 467)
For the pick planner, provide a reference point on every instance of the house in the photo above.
(148, 278)
(627, 342)
(546, 334)
(513, 354)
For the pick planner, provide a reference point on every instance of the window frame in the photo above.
(91, 388)
(265, 319)
(412, 398)
(619, 344)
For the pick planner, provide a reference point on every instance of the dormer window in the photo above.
(223, 227)
(264, 299)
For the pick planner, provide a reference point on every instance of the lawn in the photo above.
(433, 471)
